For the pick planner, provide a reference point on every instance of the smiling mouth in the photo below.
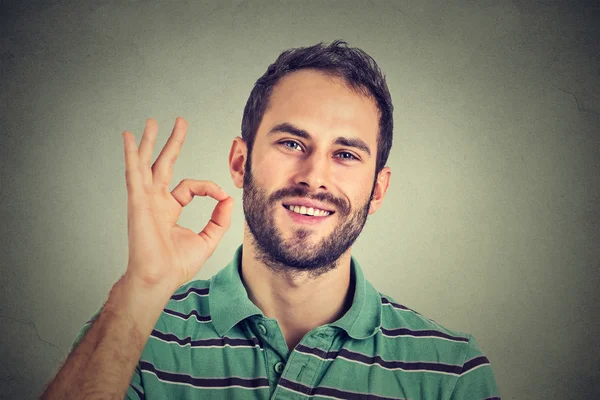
(310, 211)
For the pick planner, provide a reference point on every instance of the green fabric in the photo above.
(212, 342)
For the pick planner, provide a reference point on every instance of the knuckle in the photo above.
(171, 159)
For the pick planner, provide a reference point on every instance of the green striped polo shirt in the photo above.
(212, 342)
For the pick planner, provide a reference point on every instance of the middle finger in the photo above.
(162, 169)
(146, 148)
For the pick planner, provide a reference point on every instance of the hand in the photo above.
(160, 251)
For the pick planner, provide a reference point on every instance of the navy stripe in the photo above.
(395, 305)
(181, 296)
(327, 391)
(201, 318)
(205, 382)
(218, 342)
(492, 398)
(140, 394)
(94, 318)
(389, 364)
(473, 363)
(423, 333)
(327, 355)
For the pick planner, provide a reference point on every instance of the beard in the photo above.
(298, 254)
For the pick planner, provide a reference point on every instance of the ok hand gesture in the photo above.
(161, 252)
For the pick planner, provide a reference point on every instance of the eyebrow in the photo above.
(340, 140)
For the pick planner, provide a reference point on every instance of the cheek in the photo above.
(354, 188)
(271, 170)
(352, 180)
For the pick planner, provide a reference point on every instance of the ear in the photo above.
(237, 161)
(381, 186)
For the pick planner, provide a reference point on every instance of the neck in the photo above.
(298, 300)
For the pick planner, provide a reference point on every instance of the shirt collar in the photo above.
(363, 319)
(228, 299)
(229, 303)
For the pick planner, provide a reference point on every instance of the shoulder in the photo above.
(190, 299)
(421, 338)
(187, 307)
(395, 316)
(193, 291)
(454, 356)
(436, 347)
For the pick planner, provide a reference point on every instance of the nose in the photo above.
(314, 172)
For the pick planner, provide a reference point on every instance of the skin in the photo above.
(326, 108)
(164, 255)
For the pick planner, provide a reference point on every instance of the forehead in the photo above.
(323, 105)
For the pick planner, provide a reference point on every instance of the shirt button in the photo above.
(279, 367)
(262, 329)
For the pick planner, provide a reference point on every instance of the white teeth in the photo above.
(309, 211)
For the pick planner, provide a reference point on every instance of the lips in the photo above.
(307, 203)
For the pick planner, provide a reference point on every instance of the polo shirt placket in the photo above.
(275, 349)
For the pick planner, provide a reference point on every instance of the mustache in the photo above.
(299, 191)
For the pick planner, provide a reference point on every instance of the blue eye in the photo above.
(346, 156)
(290, 144)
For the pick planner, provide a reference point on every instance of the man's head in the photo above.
(313, 132)
(354, 66)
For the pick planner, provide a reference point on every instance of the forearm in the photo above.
(102, 365)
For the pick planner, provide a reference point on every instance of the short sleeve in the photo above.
(476, 380)
(86, 327)
(136, 388)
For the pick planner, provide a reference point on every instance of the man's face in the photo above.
(308, 184)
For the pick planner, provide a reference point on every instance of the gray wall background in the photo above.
(491, 225)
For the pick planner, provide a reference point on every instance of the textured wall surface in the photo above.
(492, 222)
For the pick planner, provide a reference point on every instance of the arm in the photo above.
(162, 256)
(102, 365)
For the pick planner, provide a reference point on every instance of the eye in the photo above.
(291, 145)
(344, 155)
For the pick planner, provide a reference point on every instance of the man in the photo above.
(292, 315)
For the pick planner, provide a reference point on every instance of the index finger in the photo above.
(162, 169)
(188, 188)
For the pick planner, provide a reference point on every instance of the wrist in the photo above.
(162, 287)
(138, 304)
